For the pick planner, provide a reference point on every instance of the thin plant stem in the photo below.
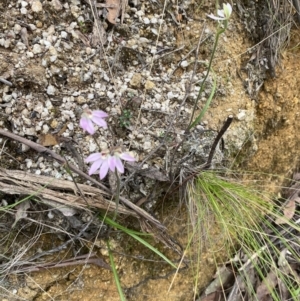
(68, 170)
(117, 195)
(219, 32)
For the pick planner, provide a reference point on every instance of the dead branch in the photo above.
(136, 211)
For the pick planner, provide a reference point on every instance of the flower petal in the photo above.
(227, 9)
(221, 13)
(93, 157)
(87, 125)
(99, 121)
(95, 166)
(126, 157)
(103, 169)
(119, 165)
(215, 18)
(112, 163)
(99, 114)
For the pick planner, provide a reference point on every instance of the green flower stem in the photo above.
(219, 32)
(207, 104)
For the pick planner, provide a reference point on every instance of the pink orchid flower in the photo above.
(105, 160)
(89, 116)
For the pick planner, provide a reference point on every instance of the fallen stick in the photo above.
(45, 151)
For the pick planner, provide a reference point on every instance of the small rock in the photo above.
(32, 27)
(50, 215)
(71, 126)
(25, 112)
(7, 43)
(39, 24)
(147, 145)
(36, 49)
(171, 95)
(36, 6)
(146, 21)
(7, 97)
(45, 128)
(149, 85)
(23, 11)
(28, 163)
(184, 64)
(156, 106)
(64, 34)
(39, 107)
(153, 20)
(17, 28)
(20, 46)
(136, 80)
(143, 40)
(81, 100)
(87, 76)
(154, 31)
(53, 58)
(25, 148)
(241, 115)
(8, 110)
(30, 132)
(51, 90)
(29, 54)
(52, 50)
(56, 5)
(92, 146)
(54, 123)
(140, 13)
(48, 104)
(110, 95)
(46, 43)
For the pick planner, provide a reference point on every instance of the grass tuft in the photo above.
(245, 219)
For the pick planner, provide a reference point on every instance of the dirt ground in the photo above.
(265, 128)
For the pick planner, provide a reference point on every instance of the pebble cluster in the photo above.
(139, 76)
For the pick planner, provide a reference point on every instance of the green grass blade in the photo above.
(115, 273)
(136, 235)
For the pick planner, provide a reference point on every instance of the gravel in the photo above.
(59, 67)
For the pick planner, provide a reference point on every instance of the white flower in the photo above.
(224, 14)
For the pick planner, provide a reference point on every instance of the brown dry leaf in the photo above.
(264, 289)
(24, 36)
(21, 211)
(211, 297)
(179, 17)
(284, 291)
(48, 140)
(288, 210)
(113, 8)
(222, 277)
